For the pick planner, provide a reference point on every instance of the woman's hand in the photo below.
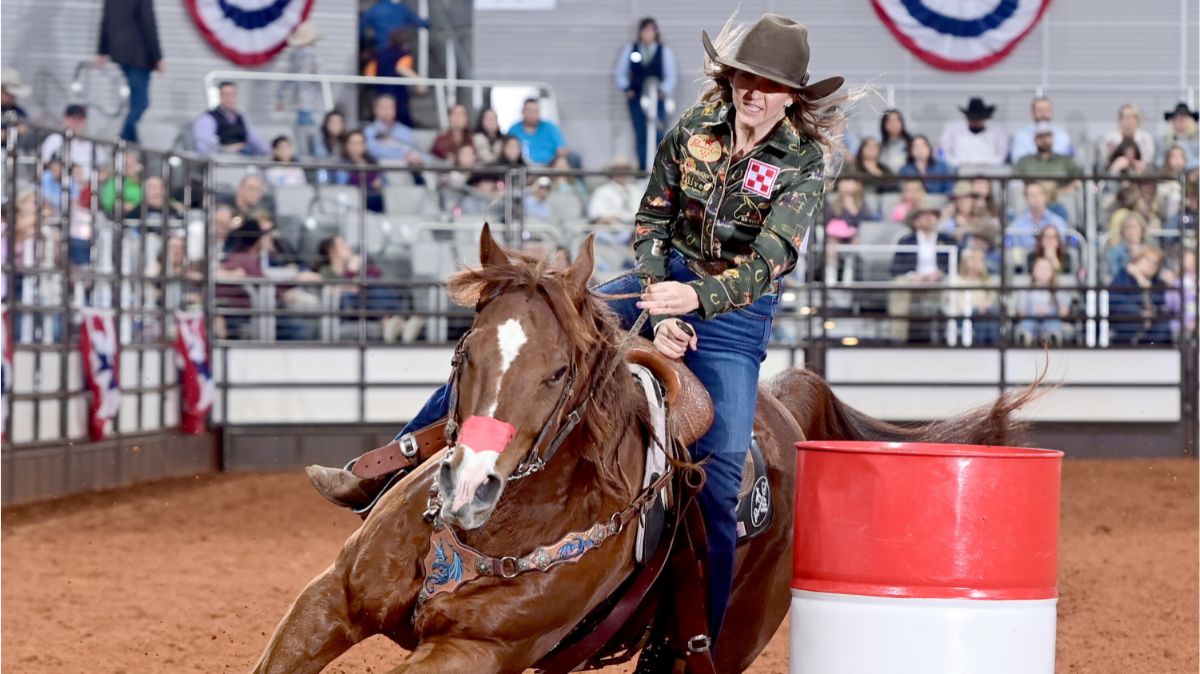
(669, 298)
(673, 338)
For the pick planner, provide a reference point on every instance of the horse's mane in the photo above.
(595, 338)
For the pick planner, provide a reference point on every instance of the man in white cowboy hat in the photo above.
(303, 97)
(129, 37)
(12, 88)
(970, 141)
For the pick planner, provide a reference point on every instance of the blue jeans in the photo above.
(638, 117)
(139, 100)
(730, 349)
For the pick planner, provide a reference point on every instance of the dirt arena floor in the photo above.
(192, 575)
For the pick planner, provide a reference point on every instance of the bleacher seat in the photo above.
(293, 201)
(887, 203)
(565, 207)
(407, 200)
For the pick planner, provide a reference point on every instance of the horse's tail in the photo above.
(824, 417)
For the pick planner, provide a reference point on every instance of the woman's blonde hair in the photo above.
(976, 255)
(1117, 223)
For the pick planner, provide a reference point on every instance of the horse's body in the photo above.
(507, 625)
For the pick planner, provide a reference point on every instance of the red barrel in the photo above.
(926, 520)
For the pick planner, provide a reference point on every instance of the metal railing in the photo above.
(445, 90)
(89, 237)
(415, 228)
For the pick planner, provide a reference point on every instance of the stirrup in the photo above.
(395, 477)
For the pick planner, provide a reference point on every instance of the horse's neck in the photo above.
(564, 496)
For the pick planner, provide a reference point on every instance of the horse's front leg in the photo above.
(315, 631)
(457, 654)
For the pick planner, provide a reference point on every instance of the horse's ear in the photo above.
(491, 253)
(585, 264)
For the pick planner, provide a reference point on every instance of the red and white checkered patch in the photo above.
(760, 178)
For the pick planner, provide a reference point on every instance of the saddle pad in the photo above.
(652, 521)
(754, 509)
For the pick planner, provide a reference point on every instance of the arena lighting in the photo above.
(829, 325)
(806, 311)
(174, 161)
(788, 297)
(849, 341)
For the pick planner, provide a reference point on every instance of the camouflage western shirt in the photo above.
(751, 216)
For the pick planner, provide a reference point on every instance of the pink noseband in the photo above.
(485, 434)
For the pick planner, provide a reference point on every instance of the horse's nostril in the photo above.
(445, 479)
(489, 491)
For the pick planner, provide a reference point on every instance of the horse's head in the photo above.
(519, 372)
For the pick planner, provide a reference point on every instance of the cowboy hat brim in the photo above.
(814, 91)
(18, 90)
(985, 112)
(1168, 116)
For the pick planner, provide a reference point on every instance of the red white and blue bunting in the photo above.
(195, 374)
(960, 35)
(248, 32)
(100, 346)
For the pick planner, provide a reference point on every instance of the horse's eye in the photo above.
(557, 376)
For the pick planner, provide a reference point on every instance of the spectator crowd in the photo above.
(961, 207)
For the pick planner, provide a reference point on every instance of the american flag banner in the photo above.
(195, 375)
(100, 346)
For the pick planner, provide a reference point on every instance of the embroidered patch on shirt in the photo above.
(760, 178)
(704, 147)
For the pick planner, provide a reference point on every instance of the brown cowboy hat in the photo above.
(776, 48)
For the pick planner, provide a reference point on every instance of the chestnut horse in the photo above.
(541, 337)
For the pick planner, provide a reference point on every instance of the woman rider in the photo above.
(731, 199)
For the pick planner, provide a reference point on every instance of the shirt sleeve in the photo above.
(102, 46)
(777, 247)
(621, 71)
(255, 141)
(560, 141)
(149, 27)
(660, 205)
(204, 134)
(669, 72)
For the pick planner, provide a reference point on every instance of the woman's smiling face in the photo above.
(759, 101)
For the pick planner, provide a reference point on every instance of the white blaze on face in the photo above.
(477, 465)
(510, 337)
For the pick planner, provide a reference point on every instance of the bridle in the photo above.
(537, 459)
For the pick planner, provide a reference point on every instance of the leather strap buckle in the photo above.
(509, 568)
(408, 446)
(699, 644)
